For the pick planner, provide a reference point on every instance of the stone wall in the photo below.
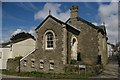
(103, 48)
(13, 64)
(87, 42)
(56, 54)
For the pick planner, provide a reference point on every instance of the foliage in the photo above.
(71, 69)
(73, 62)
(21, 35)
(46, 75)
(18, 58)
(94, 70)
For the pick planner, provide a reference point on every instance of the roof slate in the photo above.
(59, 21)
(85, 21)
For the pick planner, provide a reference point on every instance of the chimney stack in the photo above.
(74, 11)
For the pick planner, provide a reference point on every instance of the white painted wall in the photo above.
(110, 50)
(23, 48)
(6, 54)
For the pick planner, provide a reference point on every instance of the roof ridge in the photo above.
(83, 20)
(56, 20)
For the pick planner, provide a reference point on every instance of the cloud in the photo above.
(31, 31)
(17, 31)
(55, 11)
(29, 6)
(1, 41)
(109, 15)
(95, 23)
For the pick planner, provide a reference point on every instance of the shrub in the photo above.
(17, 58)
(46, 75)
(73, 62)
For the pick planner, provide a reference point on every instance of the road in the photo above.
(7, 77)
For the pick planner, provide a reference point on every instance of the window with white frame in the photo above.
(25, 63)
(33, 63)
(41, 64)
(49, 40)
(51, 64)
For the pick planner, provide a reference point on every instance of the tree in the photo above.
(21, 35)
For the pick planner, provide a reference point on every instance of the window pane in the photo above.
(49, 40)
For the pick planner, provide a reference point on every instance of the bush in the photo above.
(46, 75)
(17, 58)
(94, 70)
(71, 69)
(73, 62)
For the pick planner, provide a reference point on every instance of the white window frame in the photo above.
(72, 38)
(41, 64)
(25, 63)
(33, 63)
(45, 40)
(51, 65)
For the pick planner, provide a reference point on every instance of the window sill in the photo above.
(41, 68)
(49, 48)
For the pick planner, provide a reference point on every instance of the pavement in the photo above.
(111, 70)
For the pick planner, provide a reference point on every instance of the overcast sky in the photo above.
(26, 16)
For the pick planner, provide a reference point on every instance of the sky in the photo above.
(26, 16)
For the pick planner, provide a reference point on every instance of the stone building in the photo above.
(59, 43)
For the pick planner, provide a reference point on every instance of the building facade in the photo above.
(59, 43)
(14, 49)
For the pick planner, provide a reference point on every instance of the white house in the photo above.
(5, 53)
(14, 49)
(110, 50)
(22, 48)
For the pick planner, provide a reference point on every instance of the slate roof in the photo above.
(85, 21)
(101, 28)
(5, 45)
(59, 21)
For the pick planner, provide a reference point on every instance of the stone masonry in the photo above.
(74, 39)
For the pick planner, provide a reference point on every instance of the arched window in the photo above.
(74, 44)
(49, 39)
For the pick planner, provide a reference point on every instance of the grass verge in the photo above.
(47, 75)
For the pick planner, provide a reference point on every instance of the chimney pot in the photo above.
(74, 11)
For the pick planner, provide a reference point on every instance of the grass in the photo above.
(47, 75)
